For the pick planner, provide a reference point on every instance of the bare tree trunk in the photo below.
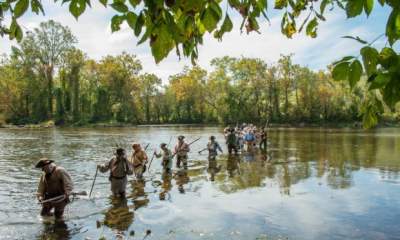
(49, 77)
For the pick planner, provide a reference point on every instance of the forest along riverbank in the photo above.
(50, 124)
(312, 183)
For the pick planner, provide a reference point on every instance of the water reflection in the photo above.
(139, 196)
(57, 230)
(181, 179)
(166, 186)
(277, 193)
(119, 216)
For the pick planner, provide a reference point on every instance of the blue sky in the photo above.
(95, 38)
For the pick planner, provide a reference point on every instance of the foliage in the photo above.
(236, 90)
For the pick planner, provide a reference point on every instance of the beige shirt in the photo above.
(138, 158)
(181, 149)
(119, 167)
(55, 184)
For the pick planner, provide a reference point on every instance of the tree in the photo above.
(182, 25)
(46, 45)
(149, 84)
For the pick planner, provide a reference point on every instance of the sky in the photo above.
(96, 40)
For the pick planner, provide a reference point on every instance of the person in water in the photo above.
(166, 155)
(55, 183)
(119, 167)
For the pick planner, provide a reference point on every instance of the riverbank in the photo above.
(51, 124)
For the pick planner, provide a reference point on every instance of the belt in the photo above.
(118, 177)
(137, 166)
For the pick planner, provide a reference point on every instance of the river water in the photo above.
(311, 184)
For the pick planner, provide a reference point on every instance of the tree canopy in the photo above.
(182, 24)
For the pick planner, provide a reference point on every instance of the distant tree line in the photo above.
(47, 78)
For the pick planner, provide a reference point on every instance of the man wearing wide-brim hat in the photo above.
(138, 160)
(119, 167)
(55, 183)
(181, 150)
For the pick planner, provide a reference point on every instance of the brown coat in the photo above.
(118, 167)
(138, 158)
(55, 184)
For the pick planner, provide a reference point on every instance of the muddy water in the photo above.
(311, 184)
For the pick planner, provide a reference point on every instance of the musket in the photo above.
(173, 155)
(62, 197)
(202, 150)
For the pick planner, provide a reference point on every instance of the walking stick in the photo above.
(150, 162)
(94, 179)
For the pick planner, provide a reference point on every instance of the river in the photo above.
(310, 184)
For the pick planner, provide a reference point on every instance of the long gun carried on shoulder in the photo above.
(173, 155)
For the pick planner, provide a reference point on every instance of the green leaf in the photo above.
(18, 33)
(370, 59)
(370, 117)
(209, 19)
(139, 24)
(322, 7)
(311, 29)
(394, 3)
(134, 3)
(146, 35)
(234, 3)
(161, 43)
(280, 4)
(131, 19)
(116, 22)
(36, 6)
(393, 27)
(227, 25)
(77, 7)
(368, 6)
(387, 56)
(344, 59)
(354, 8)
(340, 71)
(391, 93)
(380, 81)
(382, 2)
(119, 6)
(358, 39)
(355, 73)
(104, 2)
(20, 8)
(217, 9)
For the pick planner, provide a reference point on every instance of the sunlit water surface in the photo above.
(311, 184)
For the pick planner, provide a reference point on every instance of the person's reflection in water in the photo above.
(181, 178)
(213, 167)
(249, 156)
(59, 230)
(233, 165)
(138, 195)
(166, 186)
(118, 216)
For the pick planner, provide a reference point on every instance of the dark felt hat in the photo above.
(181, 137)
(43, 162)
(120, 151)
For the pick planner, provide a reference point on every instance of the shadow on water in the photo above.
(309, 184)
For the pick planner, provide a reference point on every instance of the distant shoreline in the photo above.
(50, 124)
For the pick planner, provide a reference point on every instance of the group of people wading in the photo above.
(245, 137)
(55, 185)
